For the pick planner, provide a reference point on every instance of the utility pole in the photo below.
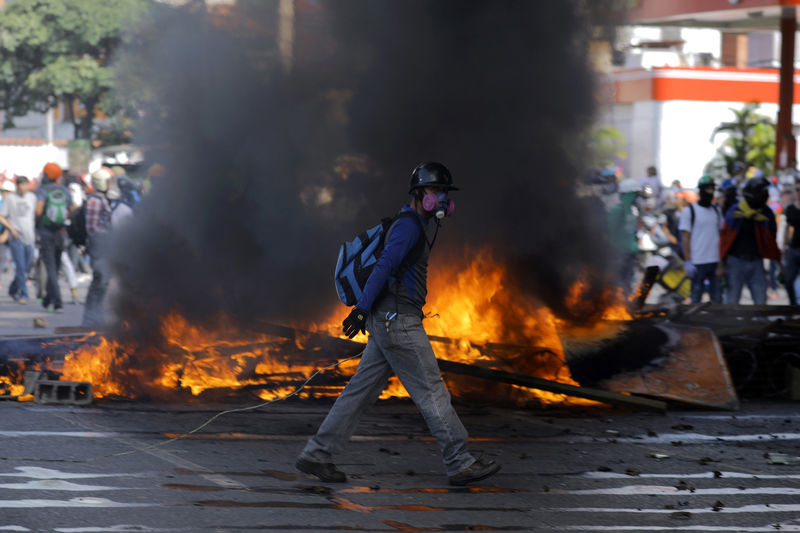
(785, 144)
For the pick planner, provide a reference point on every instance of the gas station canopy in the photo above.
(738, 15)
(741, 16)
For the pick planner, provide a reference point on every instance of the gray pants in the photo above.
(94, 313)
(406, 350)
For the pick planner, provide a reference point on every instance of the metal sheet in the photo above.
(694, 372)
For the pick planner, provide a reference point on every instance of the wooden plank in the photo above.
(521, 380)
(531, 382)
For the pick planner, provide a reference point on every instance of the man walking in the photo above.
(18, 214)
(748, 237)
(391, 310)
(700, 225)
(98, 224)
(53, 206)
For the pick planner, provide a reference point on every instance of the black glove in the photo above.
(355, 321)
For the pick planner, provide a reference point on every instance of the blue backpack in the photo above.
(357, 258)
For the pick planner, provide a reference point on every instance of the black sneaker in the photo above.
(325, 471)
(477, 471)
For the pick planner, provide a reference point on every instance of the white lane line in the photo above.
(685, 438)
(83, 502)
(662, 489)
(55, 484)
(733, 529)
(702, 475)
(760, 508)
(13, 528)
(123, 528)
(36, 472)
(734, 418)
(79, 434)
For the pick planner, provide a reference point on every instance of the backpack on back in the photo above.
(56, 208)
(77, 226)
(357, 258)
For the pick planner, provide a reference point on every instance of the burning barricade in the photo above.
(493, 347)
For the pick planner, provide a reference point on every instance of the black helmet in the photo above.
(755, 192)
(431, 174)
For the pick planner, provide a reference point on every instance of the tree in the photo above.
(751, 139)
(55, 51)
(607, 146)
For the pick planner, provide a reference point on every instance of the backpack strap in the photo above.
(414, 254)
(691, 210)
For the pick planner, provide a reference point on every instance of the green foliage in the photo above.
(60, 50)
(751, 139)
(607, 145)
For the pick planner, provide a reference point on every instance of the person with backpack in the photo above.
(699, 225)
(98, 224)
(749, 234)
(390, 308)
(53, 208)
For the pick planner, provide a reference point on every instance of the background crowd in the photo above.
(56, 224)
(711, 239)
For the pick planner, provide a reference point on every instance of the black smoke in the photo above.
(254, 204)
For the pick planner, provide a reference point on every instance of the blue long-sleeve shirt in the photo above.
(402, 237)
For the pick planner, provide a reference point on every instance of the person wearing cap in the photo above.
(53, 206)
(18, 214)
(699, 225)
(391, 310)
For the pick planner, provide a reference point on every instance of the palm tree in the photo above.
(751, 138)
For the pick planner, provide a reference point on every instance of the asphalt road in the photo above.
(563, 470)
(68, 469)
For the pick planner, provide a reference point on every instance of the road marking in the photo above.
(79, 434)
(686, 438)
(663, 489)
(135, 445)
(112, 529)
(55, 484)
(703, 475)
(760, 508)
(734, 529)
(36, 472)
(73, 503)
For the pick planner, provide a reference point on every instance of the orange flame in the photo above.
(474, 317)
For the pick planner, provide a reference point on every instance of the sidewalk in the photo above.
(17, 319)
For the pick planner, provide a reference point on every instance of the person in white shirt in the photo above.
(654, 182)
(699, 225)
(17, 213)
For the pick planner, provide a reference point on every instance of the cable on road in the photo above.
(204, 424)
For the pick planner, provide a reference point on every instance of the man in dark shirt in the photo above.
(747, 238)
(391, 310)
(792, 257)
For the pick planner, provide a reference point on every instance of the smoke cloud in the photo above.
(257, 197)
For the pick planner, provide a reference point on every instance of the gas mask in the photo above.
(438, 204)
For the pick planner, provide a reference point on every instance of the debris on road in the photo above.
(782, 459)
